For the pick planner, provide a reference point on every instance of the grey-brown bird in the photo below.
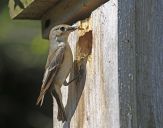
(58, 66)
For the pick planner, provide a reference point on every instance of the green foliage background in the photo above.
(21, 41)
(22, 58)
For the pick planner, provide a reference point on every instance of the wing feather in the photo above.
(51, 69)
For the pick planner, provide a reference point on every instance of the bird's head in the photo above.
(61, 32)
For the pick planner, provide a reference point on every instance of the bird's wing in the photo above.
(51, 69)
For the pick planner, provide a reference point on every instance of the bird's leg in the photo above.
(78, 75)
(75, 78)
(67, 83)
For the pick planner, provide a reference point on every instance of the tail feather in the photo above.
(58, 96)
(40, 99)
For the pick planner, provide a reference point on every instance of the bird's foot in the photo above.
(75, 78)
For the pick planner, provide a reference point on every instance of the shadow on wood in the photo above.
(75, 89)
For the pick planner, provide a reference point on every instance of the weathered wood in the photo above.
(93, 102)
(149, 63)
(126, 63)
(122, 87)
(68, 11)
(29, 9)
(53, 12)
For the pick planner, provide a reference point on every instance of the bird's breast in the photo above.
(65, 67)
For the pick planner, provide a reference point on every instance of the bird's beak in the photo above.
(72, 28)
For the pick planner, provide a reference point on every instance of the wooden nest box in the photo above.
(122, 83)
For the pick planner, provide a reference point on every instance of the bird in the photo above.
(58, 66)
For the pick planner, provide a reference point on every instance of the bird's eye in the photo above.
(62, 28)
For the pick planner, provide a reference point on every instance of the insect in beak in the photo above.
(72, 28)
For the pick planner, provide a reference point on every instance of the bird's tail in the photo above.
(61, 111)
(40, 99)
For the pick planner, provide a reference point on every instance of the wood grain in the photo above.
(119, 54)
(149, 63)
(123, 75)
(93, 101)
(29, 9)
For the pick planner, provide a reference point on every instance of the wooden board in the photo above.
(93, 101)
(68, 11)
(52, 12)
(123, 75)
(149, 62)
(122, 79)
(29, 9)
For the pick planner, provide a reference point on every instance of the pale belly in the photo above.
(65, 67)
